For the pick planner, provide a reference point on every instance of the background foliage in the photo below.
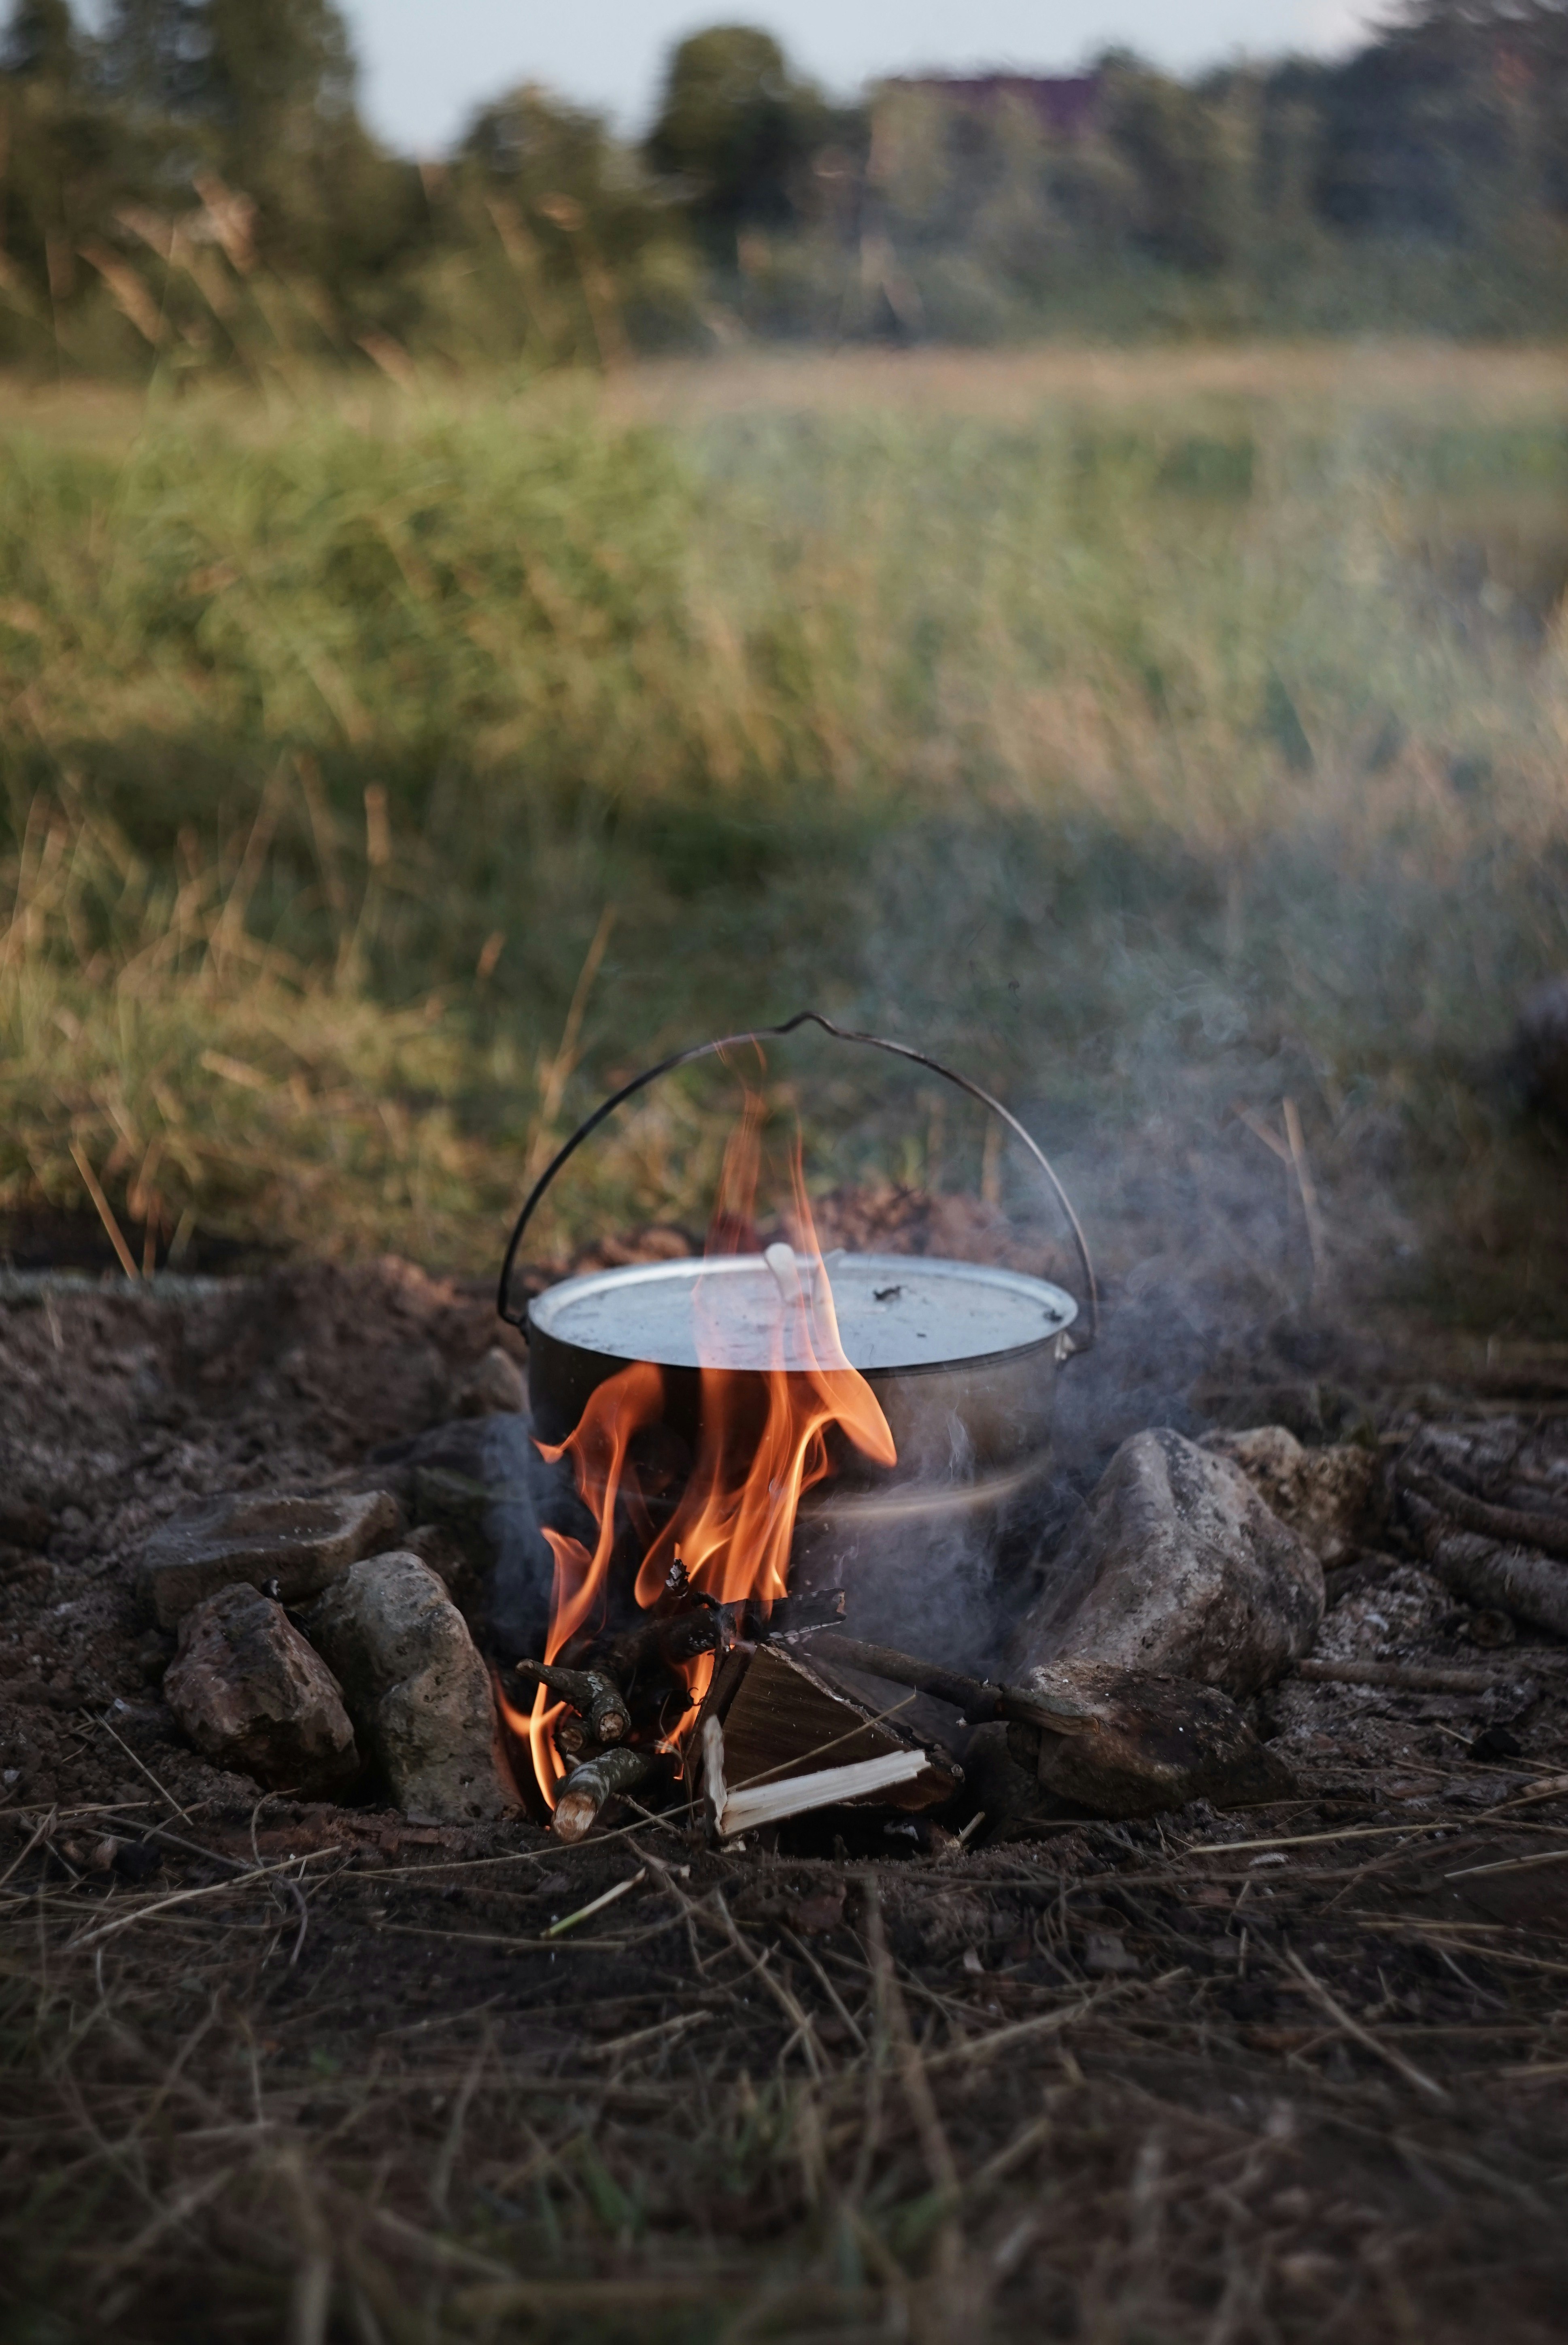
(386, 771)
(194, 188)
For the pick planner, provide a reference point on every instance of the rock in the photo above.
(484, 1480)
(300, 1543)
(494, 1388)
(1157, 1743)
(1177, 1568)
(1540, 1046)
(449, 1560)
(1325, 1495)
(416, 1688)
(251, 1694)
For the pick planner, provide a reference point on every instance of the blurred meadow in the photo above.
(1161, 735)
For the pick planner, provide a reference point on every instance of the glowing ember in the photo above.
(731, 1529)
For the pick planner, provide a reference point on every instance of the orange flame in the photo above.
(733, 1527)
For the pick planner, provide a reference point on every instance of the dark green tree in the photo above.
(153, 55)
(738, 129)
(40, 44)
(276, 71)
(1190, 198)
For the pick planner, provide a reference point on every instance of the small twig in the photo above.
(670, 2030)
(1365, 2036)
(983, 2048)
(1316, 1237)
(286, 1882)
(447, 2156)
(41, 1832)
(1399, 1677)
(184, 1898)
(826, 1984)
(1310, 1840)
(793, 2009)
(1511, 1864)
(1260, 1131)
(512, 1945)
(917, 2094)
(116, 1236)
(146, 1771)
(570, 1921)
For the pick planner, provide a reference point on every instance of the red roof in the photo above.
(1066, 103)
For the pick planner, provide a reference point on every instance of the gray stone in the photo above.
(495, 1388)
(1326, 1496)
(1177, 1568)
(251, 1694)
(1156, 1744)
(300, 1543)
(416, 1688)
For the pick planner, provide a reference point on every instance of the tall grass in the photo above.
(1147, 757)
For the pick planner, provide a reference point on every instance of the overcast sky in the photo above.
(428, 63)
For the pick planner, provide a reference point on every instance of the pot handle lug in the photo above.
(1068, 1342)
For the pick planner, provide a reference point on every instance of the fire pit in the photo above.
(747, 1428)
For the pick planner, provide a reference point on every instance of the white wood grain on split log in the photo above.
(786, 1717)
(827, 1787)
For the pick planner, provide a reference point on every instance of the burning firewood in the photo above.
(668, 1640)
(592, 1693)
(587, 1788)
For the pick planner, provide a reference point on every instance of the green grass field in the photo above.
(1158, 734)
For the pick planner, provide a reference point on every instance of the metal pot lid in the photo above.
(894, 1312)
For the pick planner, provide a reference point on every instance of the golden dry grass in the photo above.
(1117, 721)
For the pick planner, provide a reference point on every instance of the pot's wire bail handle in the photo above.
(1070, 1342)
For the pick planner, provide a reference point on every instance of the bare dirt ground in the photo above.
(274, 2069)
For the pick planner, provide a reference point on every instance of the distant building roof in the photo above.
(1065, 103)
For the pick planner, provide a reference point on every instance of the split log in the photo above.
(786, 1718)
(588, 1787)
(788, 1620)
(978, 1700)
(730, 1813)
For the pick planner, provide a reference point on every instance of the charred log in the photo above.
(1511, 1526)
(1158, 1743)
(978, 1700)
(592, 1693)
(1486, 1572)
(588, 1787)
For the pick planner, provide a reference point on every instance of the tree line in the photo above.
(193, 186)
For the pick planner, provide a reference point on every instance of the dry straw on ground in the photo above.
(327, 2092)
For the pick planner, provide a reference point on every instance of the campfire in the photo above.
(709, 1411)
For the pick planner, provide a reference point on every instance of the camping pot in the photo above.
(962, 1356)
